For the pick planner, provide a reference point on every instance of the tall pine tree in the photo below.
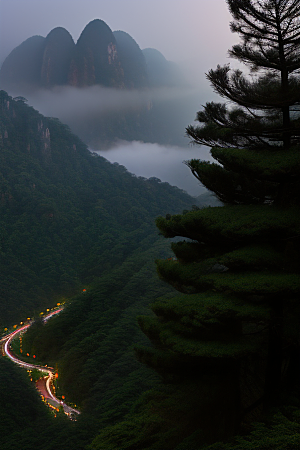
(234, 327)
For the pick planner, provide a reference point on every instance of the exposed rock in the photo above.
(96, 60)
(132, 60)
(58, 52)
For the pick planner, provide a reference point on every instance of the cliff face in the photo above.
(96, 60)
(132, 60)
(59, 49)
(56, 60)
(99, 57)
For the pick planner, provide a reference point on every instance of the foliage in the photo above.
(270, 47)
(238, 269)
(70, 219)
(67, 215)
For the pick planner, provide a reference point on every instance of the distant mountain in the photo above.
(132, 60)
(100, 56)
(110, 60)
(96, 59)
(161, 72)
(58, 51)
(22, 67)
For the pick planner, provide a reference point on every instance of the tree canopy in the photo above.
(262, 104)
(232, 330)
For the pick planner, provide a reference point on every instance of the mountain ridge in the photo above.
(99, 57)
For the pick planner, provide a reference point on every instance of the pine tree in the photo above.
(233, 327)
(270, 35)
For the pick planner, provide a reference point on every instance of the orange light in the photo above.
(58, 304)
(47, 309)
(63, 397)
(34, 356)
(21, 323)
(28, 318)
(15, 326)
(83, 290)
(56, 375)
(5, 329)
(27, 354)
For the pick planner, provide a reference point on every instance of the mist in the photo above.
(192, 33)
(66, 102)
(164, 162)
(85, 108)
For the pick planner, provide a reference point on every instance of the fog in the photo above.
(192, 33)
(165, 163)
(67, 102)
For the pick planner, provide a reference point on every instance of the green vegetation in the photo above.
(67, 216)
(71, 220)
(226, 348)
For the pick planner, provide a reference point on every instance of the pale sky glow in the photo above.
(194, 31)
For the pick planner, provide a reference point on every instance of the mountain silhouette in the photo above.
(100, 57)
(132, 60)
(59, 49)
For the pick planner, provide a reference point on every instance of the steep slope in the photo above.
(161, 72)
(132, 60)
(67, 215)
(58, 52)
(97, 60)
(22, 67)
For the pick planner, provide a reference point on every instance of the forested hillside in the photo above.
(67, 216)
(72, 220)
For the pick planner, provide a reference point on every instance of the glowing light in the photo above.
(57, 304)
(27, 354)
(15, 326)
(34, 356)
(56, 375)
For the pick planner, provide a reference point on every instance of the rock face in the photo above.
(59, 49)
(132, 60)
(100, 57)
(161, 72)
(96, 60)
(23, 64)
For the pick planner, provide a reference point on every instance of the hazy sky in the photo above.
(195, 31)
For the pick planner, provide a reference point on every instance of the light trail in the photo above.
(48, 370)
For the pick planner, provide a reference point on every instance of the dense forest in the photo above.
(67, 216)
(72, 220)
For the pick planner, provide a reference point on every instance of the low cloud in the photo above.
(163, 162)
(66, 102)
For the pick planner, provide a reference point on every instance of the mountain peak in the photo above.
(58, 52)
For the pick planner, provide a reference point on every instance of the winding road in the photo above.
(44, 384)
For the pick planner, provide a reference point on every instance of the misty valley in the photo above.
(170, 271)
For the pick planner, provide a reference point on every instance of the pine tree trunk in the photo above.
(274, 358)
